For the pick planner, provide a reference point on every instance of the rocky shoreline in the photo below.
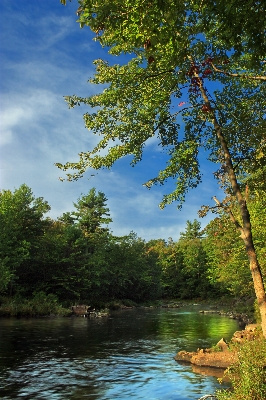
(220, 356)
(243, 319)
(86, 311)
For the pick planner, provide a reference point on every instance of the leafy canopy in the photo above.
(176, 48)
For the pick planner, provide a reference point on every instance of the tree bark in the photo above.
(245, 229)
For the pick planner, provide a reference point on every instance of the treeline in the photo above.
(78, 259)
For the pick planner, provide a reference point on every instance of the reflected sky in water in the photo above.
(127, 356)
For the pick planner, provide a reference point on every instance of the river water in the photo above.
(127, 356)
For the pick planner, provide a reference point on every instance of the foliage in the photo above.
(39, 305)
(79, 260)
(173, 47)
(225, 249)
(248, 375)
(226, 258)
(257, 209)
(91, 212)
(22, 227)
(170, 260)
(183, 265)
(193, 231)
(189, 51)
(75, 257)
(133, 270)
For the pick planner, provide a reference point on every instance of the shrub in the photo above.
(248, 375)
(41, 304)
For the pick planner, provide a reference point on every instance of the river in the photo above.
(127, 356)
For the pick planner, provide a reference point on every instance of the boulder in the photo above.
(247, 334)
(222, 358)
(209, 357)
(223, 346)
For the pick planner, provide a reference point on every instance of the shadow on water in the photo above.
(126, 356)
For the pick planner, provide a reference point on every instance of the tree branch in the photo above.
(229, 212)
(258, 78)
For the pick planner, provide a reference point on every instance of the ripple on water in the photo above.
(117, 359)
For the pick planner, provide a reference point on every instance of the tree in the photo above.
(133, 272)
(193, 231)
(91, 212)
(226, 260)
(85, 241)
(194, 271)
(171, 261)
(179, 50)
(225, 249)
(22, 227)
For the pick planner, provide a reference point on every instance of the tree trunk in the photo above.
(245, 229)
(256, 276)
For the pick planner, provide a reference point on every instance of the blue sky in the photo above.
(44, 56)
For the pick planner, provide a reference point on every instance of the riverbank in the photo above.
(43, 305)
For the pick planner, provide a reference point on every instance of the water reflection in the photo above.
(128, 356)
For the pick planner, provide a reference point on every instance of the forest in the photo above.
(76, 259)
(189, 77)
(194, 82)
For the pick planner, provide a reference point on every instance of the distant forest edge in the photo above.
(76, 258)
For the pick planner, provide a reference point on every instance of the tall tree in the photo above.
(85, 239)
(179, 50)
(194, 271)
(193, 231)
(90, 214)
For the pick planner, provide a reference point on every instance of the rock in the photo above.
(80, 310)
(103, 315)
(247, 334)
(87, 311)
(170, 305)
(93, 314)
(218, 359)
(222, 345)
(209, 311)
(251, 327)
(209, 357)
(184, 356)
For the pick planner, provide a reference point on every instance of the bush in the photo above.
(248, 375)
(41, 304)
